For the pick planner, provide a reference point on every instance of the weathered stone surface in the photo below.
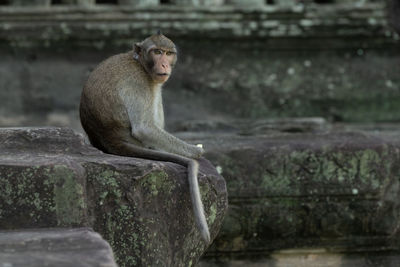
(312, 257)
(252, 84)
(40, 3)
(336, 192)
(49, 177)
(79, 247)
(253, 127)
(393, 9)
(277, 84)
(339, 62)
(273, 24)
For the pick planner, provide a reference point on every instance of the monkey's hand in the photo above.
(196, 151)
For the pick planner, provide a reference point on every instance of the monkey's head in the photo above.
(158, 55)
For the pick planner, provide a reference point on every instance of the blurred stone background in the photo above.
(335, 59)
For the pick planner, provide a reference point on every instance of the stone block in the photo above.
(242, 3)
(39, 3)
(79, 247)
(136, 3)
(49, 177)
(332, 194)
(393, 10)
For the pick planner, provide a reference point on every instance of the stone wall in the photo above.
(136, 3)
(335, 60)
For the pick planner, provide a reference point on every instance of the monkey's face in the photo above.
(157, 54)
(162, 61)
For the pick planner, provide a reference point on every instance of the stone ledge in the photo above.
(117, 26)
(50, 178)
(335, 191)
(312, 258)
(54, 247)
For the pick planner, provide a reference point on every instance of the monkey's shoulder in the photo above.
(116, 71)
(116, 65)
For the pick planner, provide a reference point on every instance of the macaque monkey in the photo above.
(122, 113)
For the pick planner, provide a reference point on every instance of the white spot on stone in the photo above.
(64, 28)
(354, 191)
(219, 169)
(6, 26)
(270, 23)
(389, 83)
(298, 8)
(306, 22)
(253, 25)
(372, 21)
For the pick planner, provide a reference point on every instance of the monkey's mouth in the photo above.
(163, 74)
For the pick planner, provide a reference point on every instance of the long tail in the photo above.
(128, 149)
(198, 209)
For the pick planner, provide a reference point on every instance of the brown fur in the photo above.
(122, 113)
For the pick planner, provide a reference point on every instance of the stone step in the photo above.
(80, 247)
(316, 257)
(329, 190)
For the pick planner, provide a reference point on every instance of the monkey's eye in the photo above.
(169, 53)
(157, 51)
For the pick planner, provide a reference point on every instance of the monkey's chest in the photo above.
(158, 112)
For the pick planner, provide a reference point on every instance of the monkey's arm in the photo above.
(154, 137)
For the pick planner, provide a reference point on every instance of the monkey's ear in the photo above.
(137, 48)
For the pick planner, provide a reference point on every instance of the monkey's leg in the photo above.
(153, 136)
(128, 149)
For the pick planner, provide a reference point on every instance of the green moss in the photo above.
(108, 182)
(314, 191)
(68, 196)
(119, 217)
(52, 195)
(21, 190)
(213, 213)
(305, 171)
(368, 159)
(6, 191)
(156, 182)
(128, 208)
